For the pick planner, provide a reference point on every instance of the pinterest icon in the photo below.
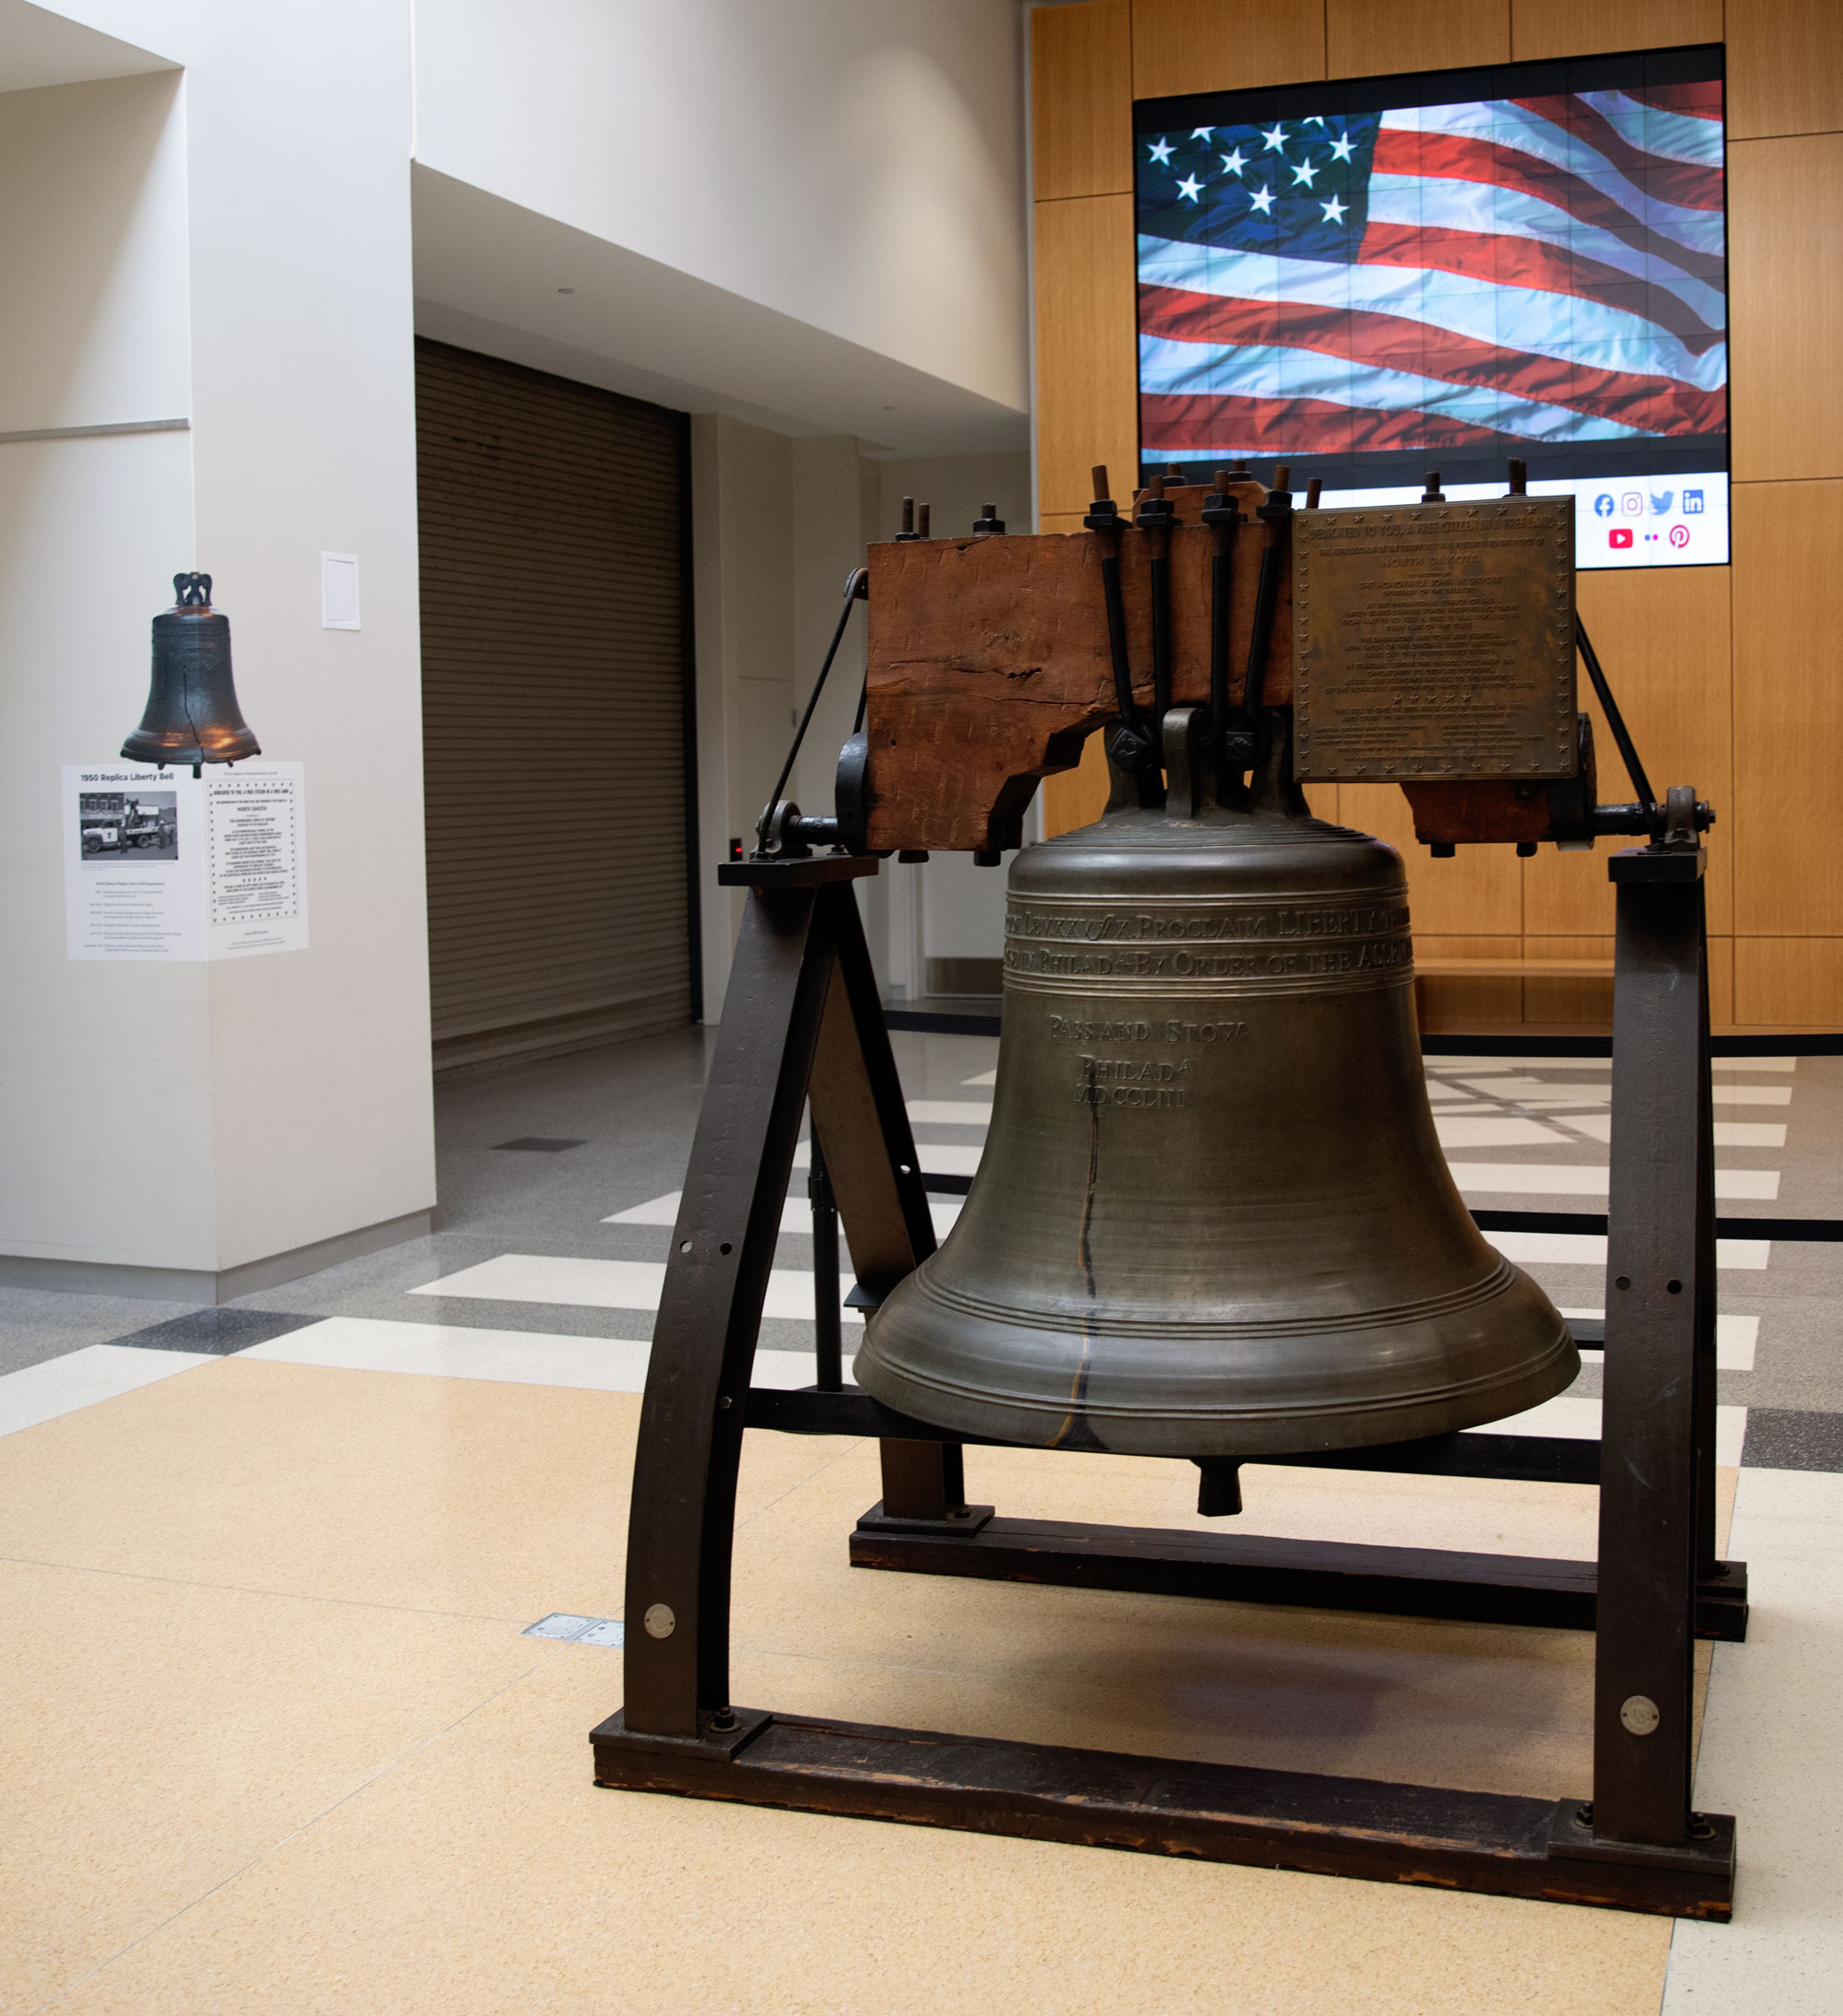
(1679, 535)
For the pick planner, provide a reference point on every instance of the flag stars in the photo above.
(1333, 211)
(1161, 151)
(1189, 189)
(1233, 164)
(1201, 133)
(1342, 147)
(1263, 200)
(1304, 173)
(1275, 137)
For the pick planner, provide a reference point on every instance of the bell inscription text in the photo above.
(1435, 642)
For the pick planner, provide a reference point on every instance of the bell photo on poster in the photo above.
(125, 826)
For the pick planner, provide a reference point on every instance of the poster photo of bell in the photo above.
(137, 825)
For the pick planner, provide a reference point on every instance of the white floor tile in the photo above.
(1491, 1130)
(1744, 1094)
(606, 1365)
(1728, 1133)
(604, 1284)
(1578, 1420)
(938, 1158)
(1772, 1754)
(951, 1112)
(363, 1344)
(1593, 1126)
(80, 1378)
(1561, 1098)
(796, 1213)
(1756, 1063)
(1736, 1338)
(1464, 1067)
(1750, 1134)
(1588, 1180)
(1515, 1086)
(984, 1078)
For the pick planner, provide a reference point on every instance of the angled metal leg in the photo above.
(677, 1649)
(801, 1016)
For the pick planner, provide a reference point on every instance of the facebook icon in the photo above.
(1692, 503)
(1602, 505)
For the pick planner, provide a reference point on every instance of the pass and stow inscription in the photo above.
(1338, 938)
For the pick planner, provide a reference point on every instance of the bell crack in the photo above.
(1074, 1433)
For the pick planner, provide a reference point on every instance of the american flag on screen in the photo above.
(1547, 270)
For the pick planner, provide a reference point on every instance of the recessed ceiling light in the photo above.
(890, 409)
(566, 290)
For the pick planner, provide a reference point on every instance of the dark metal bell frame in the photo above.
(192, 716)
(1212, 1218)
(802, 1011)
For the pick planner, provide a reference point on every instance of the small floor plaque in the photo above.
(574, 1630)
(1435, 642)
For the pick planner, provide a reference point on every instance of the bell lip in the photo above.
(1072, 1321)
(150, 748)
(1249, 1434)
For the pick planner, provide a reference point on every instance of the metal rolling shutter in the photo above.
(553, 646)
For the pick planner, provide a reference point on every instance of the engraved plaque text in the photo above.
(1435, 642)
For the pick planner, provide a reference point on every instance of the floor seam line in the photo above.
(383, 1771)
(238, 1589)
(855, 1443)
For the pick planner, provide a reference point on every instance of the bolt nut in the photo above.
(1638, 1713)
(659, 1621)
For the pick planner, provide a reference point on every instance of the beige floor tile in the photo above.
(168, 1734)
(487, 1875)
(465, 1495)
(180, 1727)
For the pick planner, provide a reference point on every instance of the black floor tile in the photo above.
(1793, 1438)
(221, 1332)
(539, 1144)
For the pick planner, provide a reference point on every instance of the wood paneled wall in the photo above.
(1729, 676)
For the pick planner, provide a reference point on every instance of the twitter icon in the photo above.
(1660, 501)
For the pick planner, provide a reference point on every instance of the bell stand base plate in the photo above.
(1556, 1595)
(1486, 1841)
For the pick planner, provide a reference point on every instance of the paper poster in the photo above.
(161, 864)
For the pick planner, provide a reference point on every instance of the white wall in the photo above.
(854, 165)
(808, 215)
(234, 248)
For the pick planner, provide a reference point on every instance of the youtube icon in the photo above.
(1621, 537)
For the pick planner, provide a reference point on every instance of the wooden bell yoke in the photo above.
(990, 660)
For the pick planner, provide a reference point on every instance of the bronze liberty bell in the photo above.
(1212, 1218)
(192, 716)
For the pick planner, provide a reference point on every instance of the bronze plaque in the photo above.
(1435, 641)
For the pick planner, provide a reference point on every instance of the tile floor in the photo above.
(282, 1741)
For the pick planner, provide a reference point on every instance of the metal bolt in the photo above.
(724, 1721)
(1638, 1715)
(659, 1621)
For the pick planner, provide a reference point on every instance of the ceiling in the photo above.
(39, 48)
(491, 275)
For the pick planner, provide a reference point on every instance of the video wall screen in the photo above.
(1371, 279)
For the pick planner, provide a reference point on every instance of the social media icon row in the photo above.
(1632, 504)
(1620, 537)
